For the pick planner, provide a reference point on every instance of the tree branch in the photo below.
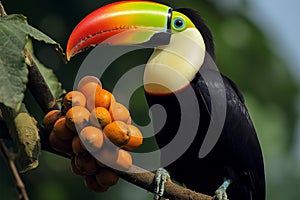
(9, 159)
(2, 10)
(38, 86)
(144, 179)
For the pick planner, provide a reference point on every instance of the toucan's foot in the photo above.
(220, 193)
(161, 176)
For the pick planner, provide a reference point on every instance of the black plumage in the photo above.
(237, 154)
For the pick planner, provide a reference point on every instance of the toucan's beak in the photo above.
(123, 23)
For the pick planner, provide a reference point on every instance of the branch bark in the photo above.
(144, 179)
(2, 10)
(9, 158)
(38, 87)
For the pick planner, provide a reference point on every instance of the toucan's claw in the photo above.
(161, 177)
(220, 193)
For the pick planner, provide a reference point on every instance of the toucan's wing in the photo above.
(239, 136)
(235, 88)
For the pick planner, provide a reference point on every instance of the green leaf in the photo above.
(54, 85)
(13, 71)
(29, 139)
(24, 132)
(20, 23)
(14, 32)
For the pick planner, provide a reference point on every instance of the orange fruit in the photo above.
(91, 183)
(101, 98)
(87, 79)
(91, 138)
(106, 177)
(136, 138)
(50, 118)
(60, 145)
(90, 89)
(113, 157)
(74, 169)
(77, 147)
(73, 98)
(129, 121)
(108, 155)
(77, 118)
(89, 85)
(124, 161)
(117, 132)
(100, 117)
(112, 100)
(119, 112)
(61, 130)
(86, 164)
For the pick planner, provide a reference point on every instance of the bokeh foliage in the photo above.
(244, 53)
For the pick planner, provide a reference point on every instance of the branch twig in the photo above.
(2, 10)
(38, 86)
(9, 158)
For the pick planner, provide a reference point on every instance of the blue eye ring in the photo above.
(179, 23)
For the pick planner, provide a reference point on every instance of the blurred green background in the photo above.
(246, 51)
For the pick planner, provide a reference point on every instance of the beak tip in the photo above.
(68, 57)
(69, 52)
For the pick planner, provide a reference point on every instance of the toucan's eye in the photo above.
(178, 24)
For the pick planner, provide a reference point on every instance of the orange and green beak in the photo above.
(123, 23)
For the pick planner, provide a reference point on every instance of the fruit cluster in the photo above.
(96, 131)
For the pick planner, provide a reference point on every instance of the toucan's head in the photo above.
(180, 39)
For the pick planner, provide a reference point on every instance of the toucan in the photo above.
(221, 154)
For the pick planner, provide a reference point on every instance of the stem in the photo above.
(9, 159)
(2, 10)
(38, 86)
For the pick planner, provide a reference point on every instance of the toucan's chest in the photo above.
(165, 117)
(181, 113)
